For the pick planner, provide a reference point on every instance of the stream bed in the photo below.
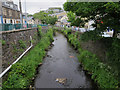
(60, 63)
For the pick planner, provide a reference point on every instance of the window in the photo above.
(11, 21)
(4, 11)
(10, 13)
(5, 21)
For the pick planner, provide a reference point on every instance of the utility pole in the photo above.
(1, 28)
(20, 6)
(25, 12)
(1, 16)
(1, 13)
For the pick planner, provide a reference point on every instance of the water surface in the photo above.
(62, 62)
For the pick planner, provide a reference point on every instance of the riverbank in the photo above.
(22, 73)
(100, 72)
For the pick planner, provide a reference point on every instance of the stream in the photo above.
(62, 62)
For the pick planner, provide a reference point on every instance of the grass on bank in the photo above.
(101, 73)
(21, 74)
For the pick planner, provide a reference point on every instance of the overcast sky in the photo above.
(34, 6)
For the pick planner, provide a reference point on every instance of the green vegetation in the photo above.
(55, 8)
(111, 46)
(20, 49)
(22, 44)
(102, 73)
(3, 42)
(30, 15)
(74, 21)
(21, 74)
(39, 31)
(45, 18)
(14, 48)
(91, 35)
(113, 54)
(104, 14)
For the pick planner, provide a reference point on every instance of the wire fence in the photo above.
(8, 27)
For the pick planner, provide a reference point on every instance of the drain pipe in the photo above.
(5, 71)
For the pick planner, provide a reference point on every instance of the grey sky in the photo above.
(34, 6)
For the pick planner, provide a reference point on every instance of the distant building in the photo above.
(37, 21)
(60, 15)
(9, 12)
(62, 19)
(24, 18)
(30, 20)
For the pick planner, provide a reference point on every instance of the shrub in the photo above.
(90, 35)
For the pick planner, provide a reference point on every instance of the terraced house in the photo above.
(9, 12)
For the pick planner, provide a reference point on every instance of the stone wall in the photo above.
(15, 42)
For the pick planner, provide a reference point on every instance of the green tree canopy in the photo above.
(45, 18)
(108, 12)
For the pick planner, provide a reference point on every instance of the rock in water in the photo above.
(61, 80)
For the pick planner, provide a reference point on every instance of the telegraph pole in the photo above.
(1, 28)
(25, 12)
(20, 6)
(1, 13)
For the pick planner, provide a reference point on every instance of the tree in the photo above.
(71, 16)
(45, 18)
(42, 16)
(52, 20)
(108, 13)
(30, 15)
(75, 21)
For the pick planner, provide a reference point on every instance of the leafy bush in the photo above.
(90, 35)
(74, 41)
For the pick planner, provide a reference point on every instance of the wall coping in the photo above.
(13, 31)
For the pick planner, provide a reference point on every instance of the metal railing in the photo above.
(43, 24)
(8, 27)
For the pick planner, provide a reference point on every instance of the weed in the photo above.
(22, 44)
(3, 42)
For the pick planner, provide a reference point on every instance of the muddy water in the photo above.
(62, 62)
